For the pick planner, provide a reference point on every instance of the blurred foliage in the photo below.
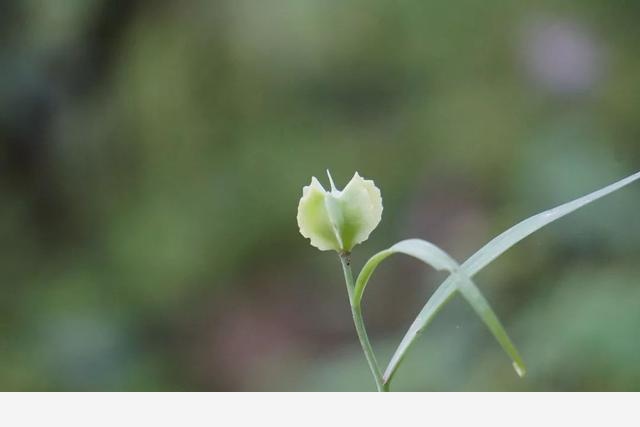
(152, 155)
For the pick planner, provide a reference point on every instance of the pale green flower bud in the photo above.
(339, 220)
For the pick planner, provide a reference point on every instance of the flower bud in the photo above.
(339, 220)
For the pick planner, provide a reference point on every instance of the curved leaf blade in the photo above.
(432, 255)
(482, 308)
(425, 251)
(434, 304)
(489, 252)
(456, 282)
(500, 244)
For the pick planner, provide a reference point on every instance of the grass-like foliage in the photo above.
(331, 224)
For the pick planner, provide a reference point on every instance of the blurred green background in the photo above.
(152, 155)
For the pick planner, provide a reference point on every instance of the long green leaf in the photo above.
(425, 251)
(442, 295)
(440, 260)
(498, 245)
(486, 255)
(482, 308)
(438, 299)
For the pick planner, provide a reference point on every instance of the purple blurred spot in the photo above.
(561, 56)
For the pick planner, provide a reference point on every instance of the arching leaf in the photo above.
(432, 255)
(485, 256)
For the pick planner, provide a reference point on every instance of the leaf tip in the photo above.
(520, 369)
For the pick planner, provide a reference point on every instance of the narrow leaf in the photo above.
(507, 239)
(432, 255)
(438, 299)
(456, 281)
(425, 251)
(482, 308)
(486, 255)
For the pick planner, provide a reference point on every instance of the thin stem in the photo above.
(358, 321)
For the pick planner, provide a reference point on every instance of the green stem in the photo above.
(358, 321)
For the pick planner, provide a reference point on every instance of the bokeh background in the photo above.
(152, 155)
